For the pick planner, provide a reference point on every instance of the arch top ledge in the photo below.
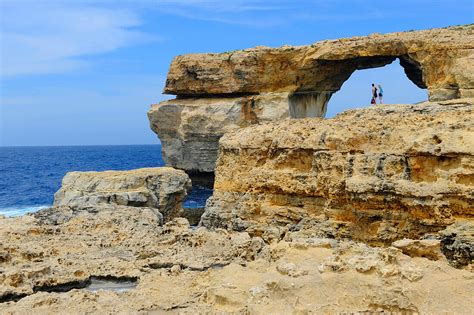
(441, 60)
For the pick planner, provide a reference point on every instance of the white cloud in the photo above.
(57, 36)
(265, 13)
(252, 13)
(51, 37)
(54, 36)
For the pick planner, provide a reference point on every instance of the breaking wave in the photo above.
(21, 210)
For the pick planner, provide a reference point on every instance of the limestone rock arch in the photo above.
(218, 93)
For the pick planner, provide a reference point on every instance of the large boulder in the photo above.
(162, 188)
(377, 174)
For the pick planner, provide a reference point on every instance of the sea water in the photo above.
(29, 176)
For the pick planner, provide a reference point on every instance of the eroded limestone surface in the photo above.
(163, 188)
(189, 271)
(377, 174)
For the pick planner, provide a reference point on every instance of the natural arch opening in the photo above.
(398, 84)
(347, 84)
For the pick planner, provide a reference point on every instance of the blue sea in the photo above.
(29, 176)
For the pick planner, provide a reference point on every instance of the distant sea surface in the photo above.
(29, 176)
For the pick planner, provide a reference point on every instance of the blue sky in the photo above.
(86, 72)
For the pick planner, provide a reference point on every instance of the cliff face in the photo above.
(375, 174)
(218, 93)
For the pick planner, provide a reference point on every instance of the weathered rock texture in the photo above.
(429, 248)
(190, 129)
(218, 93)
(377, 174)
(438, 59)
(47, 259)
(163, 188)
(65, 246)
(457, 243)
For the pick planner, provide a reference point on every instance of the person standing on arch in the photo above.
(380, 94)
(374, 95)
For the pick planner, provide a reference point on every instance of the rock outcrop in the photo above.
(190, 129)
(218, 93)
(50, 259)
(377, 174)
(162, 188)
(429, 248)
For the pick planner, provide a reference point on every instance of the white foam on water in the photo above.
(111, 285)
(21, 210)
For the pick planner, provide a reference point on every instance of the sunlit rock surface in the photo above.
(377, 174)
(50, 262)
(163, 188)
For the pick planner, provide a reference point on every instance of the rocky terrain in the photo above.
(49, 259)
(370, 211)
(282, 233)
(217, 93)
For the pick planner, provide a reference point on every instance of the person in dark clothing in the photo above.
(374, 94)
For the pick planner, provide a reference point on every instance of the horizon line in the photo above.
(75, 145)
